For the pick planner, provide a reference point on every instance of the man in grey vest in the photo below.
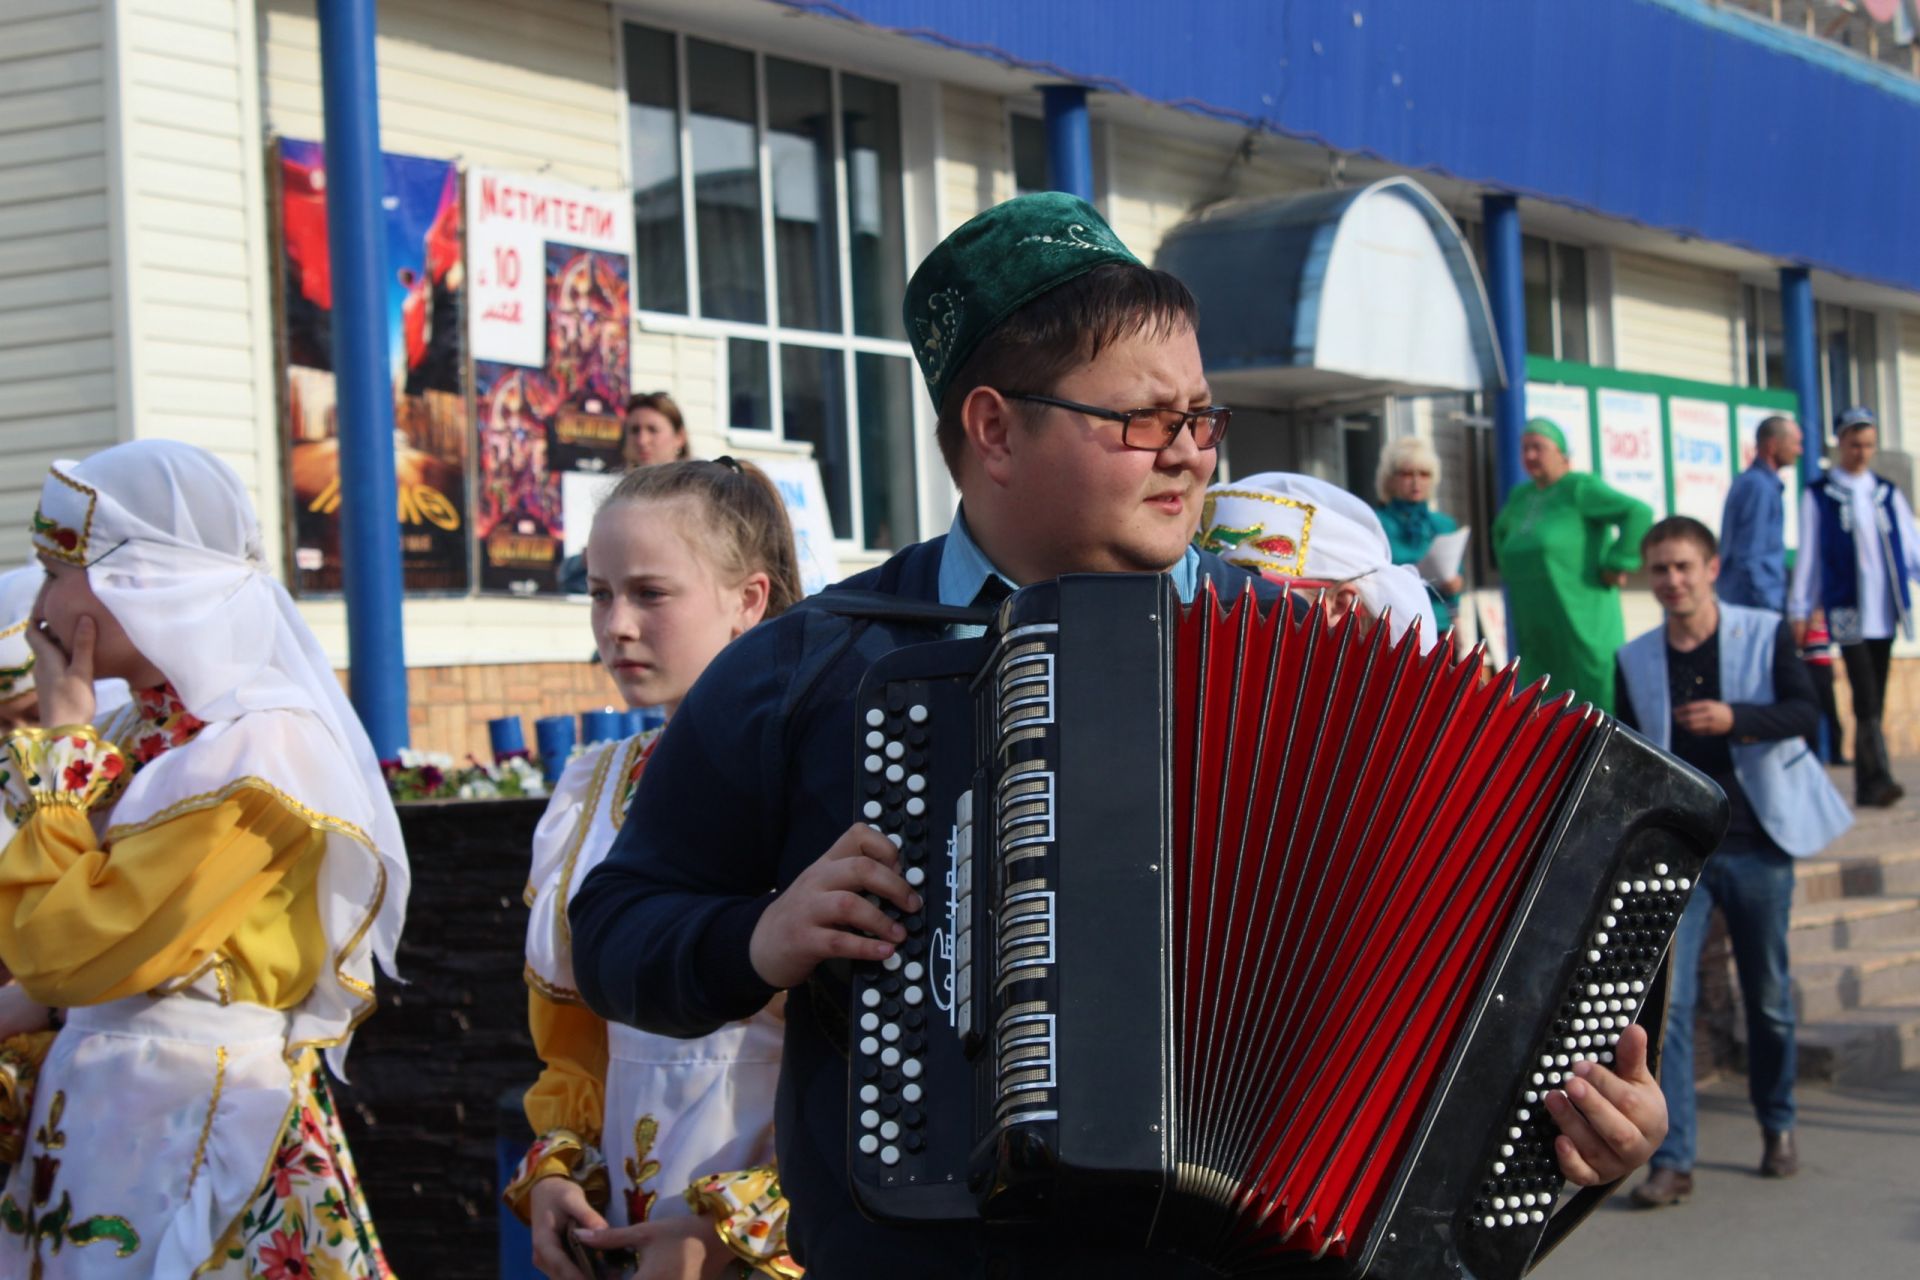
(1721, 686)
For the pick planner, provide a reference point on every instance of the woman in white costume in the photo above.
(204, 886)
(648, 1143)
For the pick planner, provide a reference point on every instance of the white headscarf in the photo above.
(1285, 526)
(172, 549)
(18, 590)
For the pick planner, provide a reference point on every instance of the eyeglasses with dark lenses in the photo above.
(1150, 429)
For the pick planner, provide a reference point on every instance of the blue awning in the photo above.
(1363, 289)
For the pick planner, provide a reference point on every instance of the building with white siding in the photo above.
(138, 241)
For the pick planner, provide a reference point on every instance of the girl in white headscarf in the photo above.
(204, 883)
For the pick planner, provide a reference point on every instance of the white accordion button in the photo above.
(917, 783)
(916, 876)
(914, 971)
(875, 739)
(869, 1093)
(896, 749)
(1659, 868)
(889, 1056)
(874, 764)
(911, 1094)
(917, 714)
(868, 1144)
(869, 1046)
(889, 1156)
(895, 773)
(891, 963)
(915, 806)
(911, 995)
(870, 997)
(891, 1032)
(896, 839)
(869, 1022)
(911, 1068)
(872, 809)
(875, 717)
(889, 1131)
(869, 1119)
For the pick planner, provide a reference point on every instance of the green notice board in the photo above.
(1673, 443)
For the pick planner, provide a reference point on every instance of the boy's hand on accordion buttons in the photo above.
(825, 912)
(1610, 1121)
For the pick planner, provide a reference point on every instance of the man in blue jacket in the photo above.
(1076, 418)
(1721, 686)
(1753, 539)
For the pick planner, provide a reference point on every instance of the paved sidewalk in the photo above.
(1853, 1211)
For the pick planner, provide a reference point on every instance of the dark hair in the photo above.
(744, 526)
(1682, 529)
(1061, 329)
(1771, 428)
(661, 403)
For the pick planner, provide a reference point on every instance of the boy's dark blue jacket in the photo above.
(753, 780)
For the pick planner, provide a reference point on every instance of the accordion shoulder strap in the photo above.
(882, 606)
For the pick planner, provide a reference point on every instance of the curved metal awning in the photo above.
(1363, 290)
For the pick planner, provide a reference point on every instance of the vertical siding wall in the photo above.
(58, 394)
(1907, 380)
(1674, 318)
(199, 336)
(976, 169)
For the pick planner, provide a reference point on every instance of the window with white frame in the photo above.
(1848, 358)
(769, 212)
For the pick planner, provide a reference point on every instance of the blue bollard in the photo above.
(555, 736)
(602, 726)
(508, 737)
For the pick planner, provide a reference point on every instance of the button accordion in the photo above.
(1255, 940)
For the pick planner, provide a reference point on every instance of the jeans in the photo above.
(1752, 884)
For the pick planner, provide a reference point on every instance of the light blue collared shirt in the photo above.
(964, 569)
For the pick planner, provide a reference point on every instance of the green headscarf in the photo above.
(1546, 430)
(989, 268)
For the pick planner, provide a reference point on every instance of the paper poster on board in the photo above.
(424, 297)
(1566, 407)
(797, 480)
(1747, 419)
(1631, 457)
(551, 308)
(1700, 442)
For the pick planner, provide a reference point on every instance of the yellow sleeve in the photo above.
(571, 1092)
(81, 924)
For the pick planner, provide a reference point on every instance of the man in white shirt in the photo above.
(1858, 549)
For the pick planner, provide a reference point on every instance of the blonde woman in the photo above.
(1409, 473)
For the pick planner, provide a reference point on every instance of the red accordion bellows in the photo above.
(1319, 993)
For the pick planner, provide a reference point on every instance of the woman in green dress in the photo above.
(1565, 544)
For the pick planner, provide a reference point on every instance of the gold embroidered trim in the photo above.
(547, 991)
(206, 1130)
(219, 1254)
(319, 822)
(17, 629)
(1297, 566)
(636, 747)
(79, 554)
(563, 889)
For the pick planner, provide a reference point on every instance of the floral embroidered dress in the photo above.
(647, 1124)
(205, 893)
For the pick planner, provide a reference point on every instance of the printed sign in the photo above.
(1631, 457)
(425, 299)
(1701, 441)
(797, 480)
(552, 305)
(1566, 408)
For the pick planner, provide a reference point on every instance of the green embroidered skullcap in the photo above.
(997, 263)
(1546, 430)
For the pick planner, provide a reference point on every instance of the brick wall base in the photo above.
(449, 706)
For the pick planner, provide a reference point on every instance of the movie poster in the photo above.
(552, 302)
(426, 327)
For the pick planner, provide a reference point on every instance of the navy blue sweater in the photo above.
(753, 780)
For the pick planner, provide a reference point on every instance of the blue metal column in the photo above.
(1803, 362)
(1507, 295)
(356, 241)
(1069, 140)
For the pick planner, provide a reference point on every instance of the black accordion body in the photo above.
(1254, 940)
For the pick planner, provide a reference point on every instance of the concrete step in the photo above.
(1860, 1046)
(1818, 880)
(1893, 872)
(1846, 922)
(1827, 983)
